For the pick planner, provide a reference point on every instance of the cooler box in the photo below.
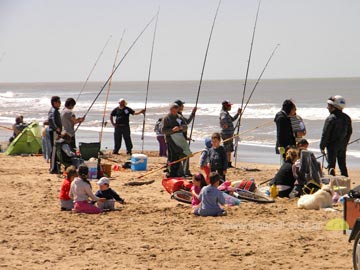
(138, 162)
(92, 165)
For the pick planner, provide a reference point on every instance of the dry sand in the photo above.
(154, 232)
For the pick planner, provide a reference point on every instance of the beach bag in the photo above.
(311, 187)
(247, 185)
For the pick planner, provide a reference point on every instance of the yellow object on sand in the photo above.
(273, 191)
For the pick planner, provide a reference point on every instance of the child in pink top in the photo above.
(198, 183)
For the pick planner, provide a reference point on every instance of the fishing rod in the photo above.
(259, 78)
(246, 78)
(195, 153)
(148, 81)
(109, 87)
(6, 128)
(203, 68)
(92, 69)
(117, 66)
(354, 141)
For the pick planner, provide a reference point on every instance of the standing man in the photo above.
(185, 122)
(55, 128)
(284, 132)
(122, 126)
(172, 124)
(336, 135)
(227, 128)
(69, 120)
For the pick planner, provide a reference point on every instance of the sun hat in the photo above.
(103, 181)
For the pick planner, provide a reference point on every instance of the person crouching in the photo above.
(80, 191)
(107, 193)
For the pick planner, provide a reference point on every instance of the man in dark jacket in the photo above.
(55, 128)
(284, 133)
(336, 135)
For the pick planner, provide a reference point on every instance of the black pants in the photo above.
(122, 132)
(53, 160)
(174, 154)
(339, 154)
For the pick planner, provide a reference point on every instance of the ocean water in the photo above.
(33, 101)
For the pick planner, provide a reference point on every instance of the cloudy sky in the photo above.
(46, 41)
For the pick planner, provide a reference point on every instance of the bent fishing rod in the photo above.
(117, 66)
(148, 81)
(197, 152)
(203, 68)
(92, 69)
(109, 87)
(246, 77)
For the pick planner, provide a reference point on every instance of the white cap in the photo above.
(121, 100)
(103, 181)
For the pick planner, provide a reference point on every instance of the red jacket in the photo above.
(65, 189)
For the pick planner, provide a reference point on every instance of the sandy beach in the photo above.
(153, 231)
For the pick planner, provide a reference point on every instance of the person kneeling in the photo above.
(211, 198)
(109, 194)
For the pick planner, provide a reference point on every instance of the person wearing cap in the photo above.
(227, 128)
(109, 194)
(68, 120)
(171, 124)
(18, 127)
(185, 122)
(284, 131)
(336, 135)
(122, 126)
(80, 192)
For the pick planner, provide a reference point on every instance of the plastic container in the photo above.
(92, 165)
(139, 162)
(106, 169)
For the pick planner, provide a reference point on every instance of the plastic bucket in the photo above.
(92, 165)
(106, 169)
(138, 162)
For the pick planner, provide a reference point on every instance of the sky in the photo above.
(59, 41)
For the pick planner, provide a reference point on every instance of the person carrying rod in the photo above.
(122, 126)
(227, 128)
(184, 169)
(336, 135)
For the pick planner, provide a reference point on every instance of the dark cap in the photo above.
(226, 103)
(179, 102)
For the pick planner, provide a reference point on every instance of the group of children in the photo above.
(76, 190)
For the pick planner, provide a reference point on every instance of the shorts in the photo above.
(228, 145)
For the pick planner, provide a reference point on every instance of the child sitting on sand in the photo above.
(80, 191)
(66, 203)
(211, 198)
(204, 159)
(217, 157)
(109, 194)
(198, 184)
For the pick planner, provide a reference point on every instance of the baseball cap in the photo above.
(179, 102)
(103, 181)
(227, 103)
(122, 99)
